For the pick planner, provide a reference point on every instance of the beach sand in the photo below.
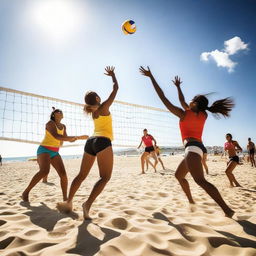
(136, 215)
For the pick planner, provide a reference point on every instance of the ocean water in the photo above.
(26, 158)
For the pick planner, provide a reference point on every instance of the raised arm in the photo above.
(51, 128)
(177, 83)
(175, 110)
(107, 103)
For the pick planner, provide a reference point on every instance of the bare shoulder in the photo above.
(50, 124)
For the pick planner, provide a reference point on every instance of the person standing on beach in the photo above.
(98, 146)
(251, 151)
(231, 147)
(48, 153)
(1, 159)
(157, 151)
(192, 123)
(148, 140)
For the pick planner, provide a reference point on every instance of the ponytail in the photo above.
(87, 109)
(221, 107)
(52, 114)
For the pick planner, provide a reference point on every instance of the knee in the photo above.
(105, 178)
(200, 182)
(81, 176)
(227, 172)
(63, 176)
(44, 172)
(178, 177)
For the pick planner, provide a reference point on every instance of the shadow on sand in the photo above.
(88, 244)
(230, 239)
(45, 217)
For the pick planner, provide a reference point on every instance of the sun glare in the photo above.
(57, 20)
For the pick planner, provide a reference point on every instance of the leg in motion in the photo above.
(231, 166)
(44, 168)
(161, 162)
(180, 175)
(143, 159)
(153, 155)
(194, 164)
(204, 163)
(58, 165)
(86, 165)
(105, 163)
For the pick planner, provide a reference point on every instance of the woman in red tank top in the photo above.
(148, 140)
(192, 119)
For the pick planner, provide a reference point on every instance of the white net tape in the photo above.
(24, 115)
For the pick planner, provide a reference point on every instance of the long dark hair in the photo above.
(219, 107)
(90, 100)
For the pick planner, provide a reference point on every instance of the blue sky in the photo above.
(171, 36)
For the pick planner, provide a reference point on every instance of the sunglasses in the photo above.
(58, 111)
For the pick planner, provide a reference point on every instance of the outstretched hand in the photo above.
(177, 81)
(110, 71)
(145, 72)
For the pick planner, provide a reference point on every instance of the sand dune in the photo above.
(136, 215)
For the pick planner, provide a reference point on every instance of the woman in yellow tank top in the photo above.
(97, 146)
(48, 153)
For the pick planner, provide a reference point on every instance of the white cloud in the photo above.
(234, 45)
(222, 58)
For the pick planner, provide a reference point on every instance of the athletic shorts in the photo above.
(251, 151)
(234, 158)
(195, 147)
(41, 149)
(149, 149)
(94, 145)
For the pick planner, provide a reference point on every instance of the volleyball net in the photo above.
(23, 117)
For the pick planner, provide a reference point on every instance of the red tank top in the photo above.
(147, 140)
(192, 125)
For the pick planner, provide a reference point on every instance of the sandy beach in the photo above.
(136, 215)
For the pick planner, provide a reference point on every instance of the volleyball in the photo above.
(129, 27)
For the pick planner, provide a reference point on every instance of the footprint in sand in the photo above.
(2, 222)
(120, 223)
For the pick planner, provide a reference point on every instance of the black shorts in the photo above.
(149, 149)
(197, 144)
(94, 145)
(234, 158)
(251, 151)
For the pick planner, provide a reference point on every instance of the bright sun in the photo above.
(58, 20)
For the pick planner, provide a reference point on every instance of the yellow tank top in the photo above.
(50, 141)
(103, 127)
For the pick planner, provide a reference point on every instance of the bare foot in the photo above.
(192, 207)
(65, 207)
(25, 197)
(143, 173)
(230, 213)
(86, 210)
